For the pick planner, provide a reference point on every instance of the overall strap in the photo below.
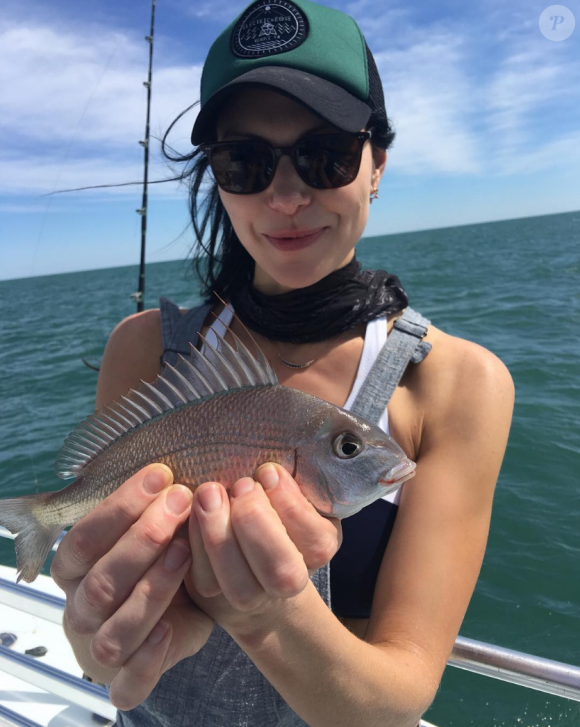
(179, 330)
(403, 344)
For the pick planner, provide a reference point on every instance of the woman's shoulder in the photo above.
(142, 329)
(453, 367)
(139, 329)
(133, 352)
(430, 393)
(451, 354)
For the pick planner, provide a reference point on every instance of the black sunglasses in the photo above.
(323, 161)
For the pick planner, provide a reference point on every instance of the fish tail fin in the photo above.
(34, 539)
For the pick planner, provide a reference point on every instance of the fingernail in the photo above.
(242, 486)
(268, 476)
(210, 498)
(178, 499)
(156, 480)
(157, 635)
(176, 555)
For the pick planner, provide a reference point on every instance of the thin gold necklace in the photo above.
(289, 364)
(295, 365)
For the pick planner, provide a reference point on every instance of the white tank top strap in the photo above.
(375, 339)
(220, 324)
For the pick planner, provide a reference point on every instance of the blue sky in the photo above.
(486, 111)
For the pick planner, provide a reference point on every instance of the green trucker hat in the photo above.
(314, 54)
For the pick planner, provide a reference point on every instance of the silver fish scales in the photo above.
(214, 417)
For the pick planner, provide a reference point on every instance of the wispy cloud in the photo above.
(73, 106)
(73, 103)
(526, 82)
(220, 11)
(51, 174)
(427, 95)
(58, 83)
(464, 100)
(548, 156)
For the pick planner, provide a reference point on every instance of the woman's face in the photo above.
(289, 203)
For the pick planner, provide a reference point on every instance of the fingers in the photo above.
(123, 574)
(202, 575)
(182, 631)
(135, 681)
(137, 618)
(99, 531)
(112, 579)
(219, 565)
(318, 538)
(245, 569)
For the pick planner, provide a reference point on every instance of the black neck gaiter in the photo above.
(342, 300)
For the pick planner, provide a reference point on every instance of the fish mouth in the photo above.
(399, 473)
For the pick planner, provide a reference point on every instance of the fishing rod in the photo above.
(142, 211)
(138, 297)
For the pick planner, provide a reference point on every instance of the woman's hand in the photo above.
(257, 549)
(122, 567)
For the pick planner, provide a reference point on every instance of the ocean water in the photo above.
(512, 287)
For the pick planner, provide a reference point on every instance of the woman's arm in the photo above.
(329, 676)
(435, 552)
(324, 672)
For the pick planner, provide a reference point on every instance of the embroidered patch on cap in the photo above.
(268, 28)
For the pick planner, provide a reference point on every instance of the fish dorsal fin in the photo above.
(220, 368)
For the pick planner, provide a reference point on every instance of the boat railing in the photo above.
(516, 667)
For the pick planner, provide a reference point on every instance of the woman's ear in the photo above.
(379, 164)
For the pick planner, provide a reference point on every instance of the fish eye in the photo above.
(347, 445)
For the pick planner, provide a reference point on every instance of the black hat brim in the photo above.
(333, 103)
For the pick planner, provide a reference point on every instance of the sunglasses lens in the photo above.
(329, 161)
(325, 161)
(244, 168)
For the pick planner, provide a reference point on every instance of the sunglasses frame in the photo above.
(278, 151)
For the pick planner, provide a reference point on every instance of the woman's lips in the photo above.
(296, 243)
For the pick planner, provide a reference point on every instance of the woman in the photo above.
(253, 561)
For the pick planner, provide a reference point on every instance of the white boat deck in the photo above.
(18, 695)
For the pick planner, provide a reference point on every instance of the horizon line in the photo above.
(370, 237)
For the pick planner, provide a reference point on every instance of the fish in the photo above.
(214, 416)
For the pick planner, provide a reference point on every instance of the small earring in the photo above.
(374, 194)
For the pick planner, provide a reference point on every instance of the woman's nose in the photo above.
(287, 192)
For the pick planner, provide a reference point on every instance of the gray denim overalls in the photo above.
(220, 686)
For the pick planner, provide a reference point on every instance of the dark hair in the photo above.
(223, 262)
